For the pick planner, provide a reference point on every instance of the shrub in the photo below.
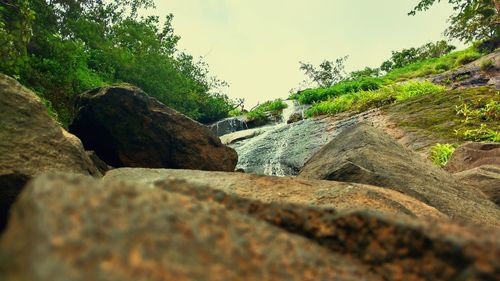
(487, 65)
(415, 89)
(467, 58)
(441, 153)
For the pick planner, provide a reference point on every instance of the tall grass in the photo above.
(365, 100)
(441, 153)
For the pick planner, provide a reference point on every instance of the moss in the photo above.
(436, 114)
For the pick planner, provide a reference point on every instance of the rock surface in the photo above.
(126, 128)
(229, 125)
(472, 155)
(486, 178)
(31, 142)
(342, 196)
(115, 231)
(364, 154)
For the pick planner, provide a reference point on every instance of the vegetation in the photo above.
(327, 73)
(364, 100)
(441, 153)
(63, 48)
(472, 20)
(260, 114)
(480, 112)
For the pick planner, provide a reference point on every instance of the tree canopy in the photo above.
(61, 48)
(472, 19)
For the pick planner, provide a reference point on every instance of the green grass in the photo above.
(365, 100)
(260, 114)
(234, 113)
(441, 153)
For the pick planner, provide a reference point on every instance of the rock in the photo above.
(31, 142)
(295, 117)
(364, 154)
(118, 231)
(229, 125)
(244, 135)
(486, 178)
(338, 195)
(100, 165)
(125, 127)
(472, 155)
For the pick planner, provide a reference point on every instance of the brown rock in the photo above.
(338, 195)
(125, 127)
(364, 154)
(486, 178)
(31, 143)
(75, 228)
(472, 155)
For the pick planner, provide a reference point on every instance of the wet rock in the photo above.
(229, 125)
(364, 154)
(127, 128)
(486, 178)
(295, 117)
(118, 231)
(472, 155)
(31, 142)
(338, 195)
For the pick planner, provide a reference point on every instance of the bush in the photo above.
(467, 58)
(235, 112)
(487, 65)
(441, 153)
(415, 89)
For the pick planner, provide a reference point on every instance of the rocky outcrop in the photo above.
(32, 143)
(486, 178)
(364, 154)
(342, 196)
(116, 230)
(127, 128)
(472, 155)
(229, 125)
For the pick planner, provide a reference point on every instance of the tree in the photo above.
(472, 20)
(327, 73)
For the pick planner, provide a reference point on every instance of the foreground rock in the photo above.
(342, 196)
(115, 231)
(182, 231)
(365, 155)
(473, 155)
(127, 128)
(31, 143)
(486, 178)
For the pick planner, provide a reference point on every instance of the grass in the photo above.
(453, 116)
(365, 100)
(260, 114)
(441, 153)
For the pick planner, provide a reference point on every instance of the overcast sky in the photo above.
(256, 45)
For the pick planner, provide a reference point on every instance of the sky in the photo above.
(256, 45)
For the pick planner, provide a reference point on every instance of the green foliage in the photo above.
(365, 100)
(441, 153)
(327, 73)
(235, 113)
(466, 58)
(75, 46)
(472, 20)
(482, 113)
(348, 86)
(272, 106)
(406, 57)
(260, 114)
(366, 72)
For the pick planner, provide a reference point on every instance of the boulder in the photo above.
(295, 117)
(31, 142)
(118, 231)
(127, 128)
(364, 154)
(338, 195)
(486, 178)
(472, 155)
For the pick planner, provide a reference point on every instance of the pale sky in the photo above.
(256, 45)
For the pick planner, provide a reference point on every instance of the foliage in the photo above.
(441, 153)
(366, 72)
(62, 48)
(479, 112)
(365, 100)
(327, 73)
(235, 112)
(261, 113)
(405, 57)
(472, 20)
(487, 65)
(309, 96)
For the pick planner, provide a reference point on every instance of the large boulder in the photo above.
(127, 128)
(75, 228)
(338, 195)
(364, 154)
(115, 230)
(486, 178)
(31, 142)
(472, 155)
